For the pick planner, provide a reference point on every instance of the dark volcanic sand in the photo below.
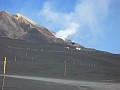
(47, 60)
(21, 84)
(16, 82)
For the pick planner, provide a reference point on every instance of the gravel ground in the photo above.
(13, 82)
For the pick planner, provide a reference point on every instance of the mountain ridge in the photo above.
(20, 27)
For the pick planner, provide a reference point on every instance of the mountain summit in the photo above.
(20, 27)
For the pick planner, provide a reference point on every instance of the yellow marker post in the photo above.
(4, 66)
(4, 71)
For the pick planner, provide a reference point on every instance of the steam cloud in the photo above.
(86, 13)
(70, 30)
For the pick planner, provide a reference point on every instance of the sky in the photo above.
(91, 23)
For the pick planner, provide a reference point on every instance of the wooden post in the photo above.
(22, 59)
(32, 58)
(15, 59)
(65, 69)
(9, 51)
(73, 61)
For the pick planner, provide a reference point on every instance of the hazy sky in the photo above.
(91, 23)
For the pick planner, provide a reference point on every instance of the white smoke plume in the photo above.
(89, 13)
(70, 30)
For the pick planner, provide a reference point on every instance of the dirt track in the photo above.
(82, 85)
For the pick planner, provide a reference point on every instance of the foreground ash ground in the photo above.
(36, 59)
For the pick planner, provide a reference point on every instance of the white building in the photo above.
(77, 48)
